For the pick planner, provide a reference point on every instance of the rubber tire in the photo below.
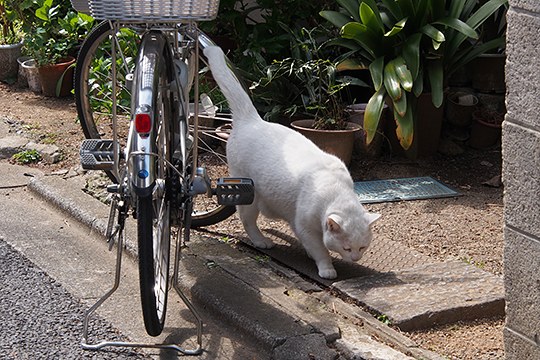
(153, 323)
(89, 128)
(154, 247)
(216, 216)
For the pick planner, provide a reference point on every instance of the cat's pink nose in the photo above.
(355, 257)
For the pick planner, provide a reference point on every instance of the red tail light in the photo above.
(143, 123)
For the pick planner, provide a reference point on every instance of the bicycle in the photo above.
(153, 162)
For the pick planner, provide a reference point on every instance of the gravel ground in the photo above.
(47, 324)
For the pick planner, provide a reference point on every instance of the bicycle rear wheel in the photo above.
(154, 209)
(93, 89)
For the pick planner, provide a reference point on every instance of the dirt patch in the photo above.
(467, 228)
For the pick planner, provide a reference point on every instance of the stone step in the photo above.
(412, 290)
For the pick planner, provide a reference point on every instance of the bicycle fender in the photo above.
(142, 159)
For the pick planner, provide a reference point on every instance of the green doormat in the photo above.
(377, 191)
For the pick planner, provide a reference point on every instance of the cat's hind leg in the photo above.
(249, 214)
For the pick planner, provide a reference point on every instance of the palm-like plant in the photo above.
(408, 45)
(305, 84)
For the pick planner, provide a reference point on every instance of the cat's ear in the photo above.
(372, 217)
(333, 223)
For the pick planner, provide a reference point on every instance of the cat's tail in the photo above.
(239, 101)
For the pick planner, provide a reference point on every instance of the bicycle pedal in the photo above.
(235, 191)
(97, 154)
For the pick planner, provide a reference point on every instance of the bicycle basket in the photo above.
(81, 6)
(154, 11)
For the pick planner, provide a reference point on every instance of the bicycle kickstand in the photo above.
(119, 232)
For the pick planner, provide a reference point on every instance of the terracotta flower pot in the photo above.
(486, 129)
(336, 142)
(459, 108)
(51, 75)
(356, 115)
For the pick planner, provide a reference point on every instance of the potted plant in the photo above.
(10, 42)
(410, 49)
(486, 128)
(51, 44)
(308, 87)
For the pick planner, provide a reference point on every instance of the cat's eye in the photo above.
(347, 249)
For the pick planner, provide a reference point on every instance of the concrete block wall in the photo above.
(521, 175)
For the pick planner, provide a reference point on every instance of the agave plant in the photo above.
(409, 46)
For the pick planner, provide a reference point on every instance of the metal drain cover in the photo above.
(417, 188)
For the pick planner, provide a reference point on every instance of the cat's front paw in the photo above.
(328, 273)
(263, 243)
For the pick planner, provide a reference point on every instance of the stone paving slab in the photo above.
(433, 294)
(411, 289)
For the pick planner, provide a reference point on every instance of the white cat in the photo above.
(294, 181)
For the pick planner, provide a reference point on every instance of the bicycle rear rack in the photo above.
(119, 232)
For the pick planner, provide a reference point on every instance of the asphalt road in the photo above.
(52, 269)
(40, 319)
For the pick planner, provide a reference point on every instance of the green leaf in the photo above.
(405, 128)
(60, 81)
(400, 105)
(393, 8)
(411, 54)
(376, 69)
(346, 43)
(352, 8)
(391, 82)
(43, 12)
(435, 73)
(368, 18)
(372, 114)
(433, 33)
(86, 18)
(360, 33)
(437, 8)
(407, 7)
(336, 18)
(418, 86)
(481, 15)
(423, 14)
(456, 7)
(350, 64)
(459, 26)
(396, 29)
(403, 73)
